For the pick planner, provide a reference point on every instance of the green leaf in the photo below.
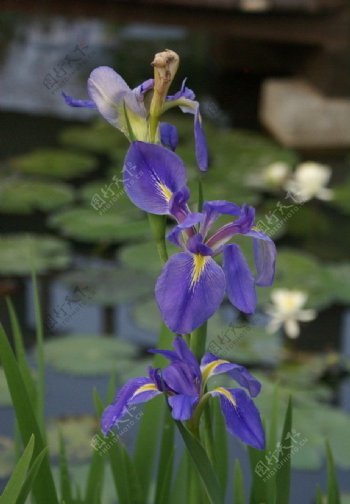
(166, 460)
(205, 470)
(39, 336)
(221, 444)
(332, 483)
(284, 461)
(258, 486)
(110, 286)
(87, 225)
(22, 196)
(238, 485)
(43, 487)
(179, 486)
(319, 497)
(90, 354)
(21, 253)
(65, 483)
(31, 476)
(55, 163)
(5, 397)
(17, 480)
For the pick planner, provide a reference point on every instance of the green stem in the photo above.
(158, 224)
(198, 341)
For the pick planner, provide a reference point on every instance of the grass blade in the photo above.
(221, 444)
(166, 460)
(32, 474)
(65, 484)
(284, 460)
(238, 485)
(43, 487)
(18, 478)
(333, 490)
(205, 470)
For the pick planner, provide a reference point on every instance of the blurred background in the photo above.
(273, 80)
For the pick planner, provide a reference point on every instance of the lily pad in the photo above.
(144, 256)
(340, 281)
(23, 196)
(88, 355)
(87, 225)
(99, 138)
(111, 285)
(341, 196)
(5, 398)
(77, 433)
(20, 253)
(55, 163)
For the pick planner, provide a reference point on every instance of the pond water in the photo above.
(32, 115)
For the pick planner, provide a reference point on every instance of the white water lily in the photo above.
(309, 181)
(272, 176)
(287, 310)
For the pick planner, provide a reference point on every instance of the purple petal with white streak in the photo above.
(157, 175)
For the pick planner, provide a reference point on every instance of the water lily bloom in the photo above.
(136, 112)
(272, 177)
(286, 311)
(309, 181)
(184, 383)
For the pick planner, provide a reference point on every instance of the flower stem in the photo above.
(198, 341)
(157, 224)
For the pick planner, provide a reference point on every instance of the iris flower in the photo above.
(192, 285)
(184, 383)
(129, 109)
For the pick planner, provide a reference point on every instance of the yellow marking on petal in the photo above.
(227, 394)
(145, 388)
(210, 368)
(199, 263)
(165, 191)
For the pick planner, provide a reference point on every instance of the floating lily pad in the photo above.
(86, 224)
(5, 398)
(340, 285)
(77, 433)
(100, 138)
(88, 355)
(144, 256)
(111, 285)
(24, 196)
(56, 163)
(7, 456)
(20, 253)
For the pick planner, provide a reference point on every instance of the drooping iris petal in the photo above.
(200, 142)
(241, 416)
(264, 257)
(212, 365)
(174, 236)
(152, 175)
(212, 210)
(74, 102)
(136, 390)
(186, 355)
(169, 135)
(189, 291)
(182, 406)
(178, 204)
(181, 378)
(240, 283)
(143, 88)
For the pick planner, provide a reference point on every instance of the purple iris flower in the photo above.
(184, 382)
(192, 285)
(127, 109)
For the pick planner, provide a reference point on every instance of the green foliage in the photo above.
(55, 163)
(20, 253)
(22, 196)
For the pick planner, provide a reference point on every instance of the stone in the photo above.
(299, 116)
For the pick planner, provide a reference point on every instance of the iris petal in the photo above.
(152, 175)
(241, 416)
(189, 291)
(74, 102)
(211, 366)
(182, 406)
(136, 390)
(169, 135)
(265, 258)
(240, 282)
